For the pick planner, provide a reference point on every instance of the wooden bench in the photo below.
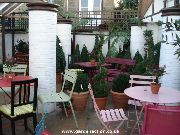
(119, 65)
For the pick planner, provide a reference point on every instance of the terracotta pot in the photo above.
(120, 100)
(79, 100)
(101, 103)
(155, 88)
(58, 78)
(93, 62)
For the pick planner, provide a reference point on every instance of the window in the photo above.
(89, 5)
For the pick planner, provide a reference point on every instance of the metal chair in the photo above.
(136, 80)
(108, 116)
(161, 120)
(25, 106)
(61, 97)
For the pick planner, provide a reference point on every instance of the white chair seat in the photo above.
(112, 115)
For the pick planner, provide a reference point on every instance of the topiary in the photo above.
(139, 68)
(156, 50)
(60, 57)
(120, 83)
(127, 54)
(138, 57)
(120, 53)
(84, 54)
(76, 56)
(99, 85)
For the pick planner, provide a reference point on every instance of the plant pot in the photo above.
(155, 88)
(58, 78)
(120, 100)
(101, 103)
(79, 100)
(93, 62)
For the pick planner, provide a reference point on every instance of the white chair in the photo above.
(61, 97)
(139, 80)
(108, 116)
(18, 68)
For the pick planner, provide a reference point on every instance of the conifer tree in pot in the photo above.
(80, 93)
(60, 60)
(119, 84)
(84, 54)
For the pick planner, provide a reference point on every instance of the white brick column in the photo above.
(42, 46)
(167, 57)
(137, 40)
(64, 33)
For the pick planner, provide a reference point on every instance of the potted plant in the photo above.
(158, 72)
(60, 60)
(22, 47)
(119, 84)
(100, 87)
(84, 54)
(7, 68)
(80, 93)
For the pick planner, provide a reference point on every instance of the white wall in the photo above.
(89, 41)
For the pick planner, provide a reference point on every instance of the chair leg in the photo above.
(13, 127)
(25, 124)
(34, 121)
(73, 114)
(1, 130)
(65, 110)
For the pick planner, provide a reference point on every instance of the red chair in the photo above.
(161, 120)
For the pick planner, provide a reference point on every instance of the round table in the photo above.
(143, 93)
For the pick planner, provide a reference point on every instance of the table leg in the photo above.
(138, 119)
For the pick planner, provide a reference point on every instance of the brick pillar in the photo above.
(167, 57)
(42, 46)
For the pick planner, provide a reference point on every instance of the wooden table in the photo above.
(90, 68)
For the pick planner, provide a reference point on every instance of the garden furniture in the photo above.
(136, 80)
(161, 120)
(144, 94)
(90, 68)
(61, 97)
(117, 62)
(26, 105)
(108, 117)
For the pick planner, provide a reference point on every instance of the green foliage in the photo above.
(99, 85)
(177, 43)
(60, 57)
(120, 83)
(139, 68)
(76, 56)
(112, 51)
(156, 51)
(130, 4)
(97, 50)
(136, 21)
(138, 57)
(81, 82)
(149, 48)
(84, 54)
(22, 46)
(127, 54)
(120, 53)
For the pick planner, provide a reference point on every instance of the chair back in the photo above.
(161, 120)
(19, 68)
(70, 76)
(27, 94)
(141, 80)
(94, 102)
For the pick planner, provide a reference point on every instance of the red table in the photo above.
(6, 82)
(90, 68)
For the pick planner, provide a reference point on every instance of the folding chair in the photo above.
(61, 97)
(136, 80)
(161, 120)
(107, 116)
